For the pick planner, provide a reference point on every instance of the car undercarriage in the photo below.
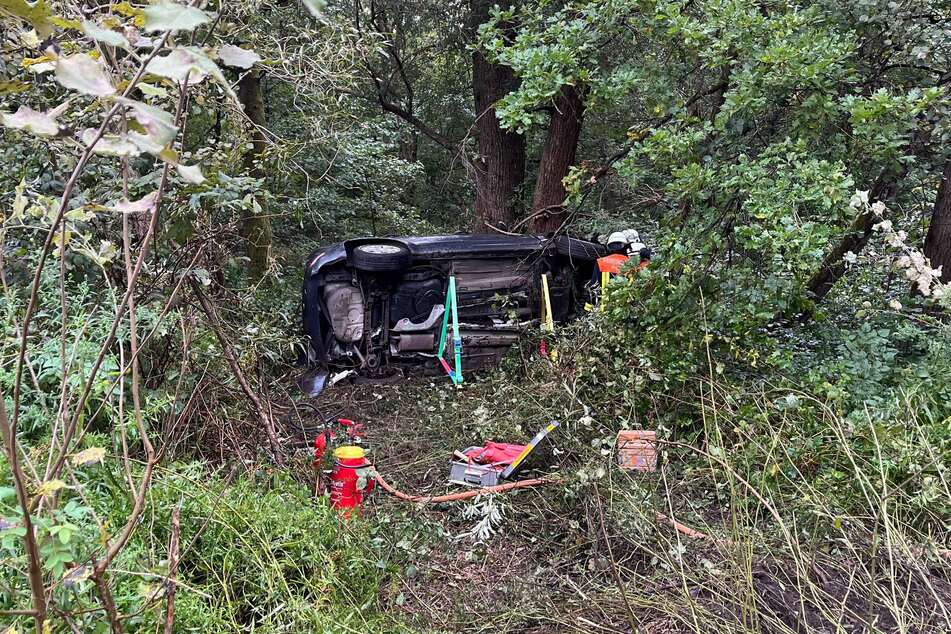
(375, 303)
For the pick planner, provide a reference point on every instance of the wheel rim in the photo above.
(381, 249)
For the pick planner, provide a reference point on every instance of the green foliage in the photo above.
(368, 190)
(259, 543)
(246, 546)
(870, 394)
(48, 371)
(556, 45)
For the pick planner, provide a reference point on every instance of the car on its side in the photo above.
(370, 303)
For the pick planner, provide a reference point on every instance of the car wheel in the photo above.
(382, 257)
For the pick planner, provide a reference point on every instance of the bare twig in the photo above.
(37, 590)
(105, 595)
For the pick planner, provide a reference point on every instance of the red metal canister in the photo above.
(350, 465)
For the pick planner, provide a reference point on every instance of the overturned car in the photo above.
(371, 303)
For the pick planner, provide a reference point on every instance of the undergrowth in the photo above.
(820, 477)
(257, 552)
(814, 458)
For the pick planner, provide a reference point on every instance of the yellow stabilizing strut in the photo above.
(548, 320)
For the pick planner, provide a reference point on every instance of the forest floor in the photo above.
(539, 570)
(550, 561)
(523, 576)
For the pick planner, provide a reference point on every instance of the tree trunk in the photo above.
(256, 227)
(409, 145)
(409, 152)
(938, 240)
(499, 169)
(564, 129)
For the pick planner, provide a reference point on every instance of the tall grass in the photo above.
(827, 507)
(788, 552)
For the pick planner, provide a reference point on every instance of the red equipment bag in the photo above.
(498, 453)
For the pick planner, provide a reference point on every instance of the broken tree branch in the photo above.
(833, 265)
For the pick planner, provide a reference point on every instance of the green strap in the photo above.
(454, 373)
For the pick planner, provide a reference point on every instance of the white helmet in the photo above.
(617, 241)
(628, 240)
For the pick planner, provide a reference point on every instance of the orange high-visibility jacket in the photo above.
(612, 263)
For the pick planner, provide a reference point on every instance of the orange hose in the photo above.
(465, 495)
(460, 496)
(681, 528)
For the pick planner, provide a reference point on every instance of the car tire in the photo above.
(381, 257)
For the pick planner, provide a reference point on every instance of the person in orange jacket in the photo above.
(623, 245)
